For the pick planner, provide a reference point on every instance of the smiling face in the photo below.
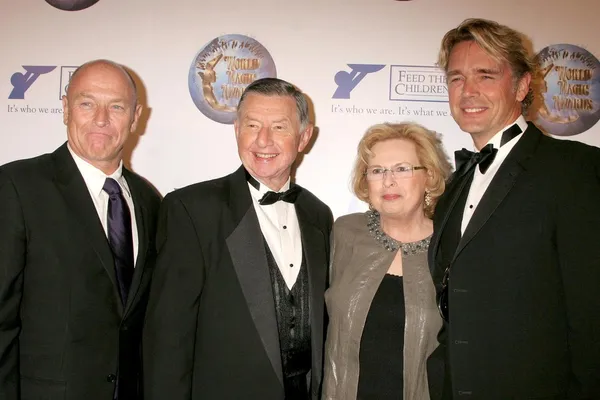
(482, 92)
(269, 137)
(100, 111)
(397, 197)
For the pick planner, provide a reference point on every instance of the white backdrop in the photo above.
(310, 42)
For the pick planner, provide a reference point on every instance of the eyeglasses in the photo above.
(398, 171)
(442, 296)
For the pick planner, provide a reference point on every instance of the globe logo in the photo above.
(570, 101)
(221, 71)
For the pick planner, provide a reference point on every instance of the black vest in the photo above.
(293, 322)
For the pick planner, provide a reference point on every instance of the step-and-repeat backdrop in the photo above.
(361, 62)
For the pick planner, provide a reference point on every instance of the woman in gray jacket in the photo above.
(383, 318)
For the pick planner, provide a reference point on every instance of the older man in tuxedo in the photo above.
(237, 307)
(76, 240)
(515, 252)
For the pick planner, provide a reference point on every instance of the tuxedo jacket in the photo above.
(64, 333)
(211, 328)
(523, 292)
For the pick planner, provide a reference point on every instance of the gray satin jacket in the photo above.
(359, 264)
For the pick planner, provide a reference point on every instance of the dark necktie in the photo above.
(466, 159)
(271, 197)
(119, 236)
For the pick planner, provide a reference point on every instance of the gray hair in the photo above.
(279, 87)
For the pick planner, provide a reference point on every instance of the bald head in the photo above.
(104, 64)
(100, 110)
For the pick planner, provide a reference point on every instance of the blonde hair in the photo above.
(500, 42)
(430, 152)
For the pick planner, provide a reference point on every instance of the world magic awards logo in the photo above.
(222, 70)
(570, 91)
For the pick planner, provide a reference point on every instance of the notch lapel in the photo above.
(247, 250)
(71, 185)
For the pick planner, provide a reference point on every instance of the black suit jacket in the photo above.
(211, 329)
(524, 303)
(64, 333)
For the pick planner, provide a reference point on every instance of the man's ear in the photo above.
(305, 137)
(523, 86)
(136, 116)
(65, 104)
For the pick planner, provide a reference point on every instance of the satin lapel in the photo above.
(247, 250)
(444, 208)
(313, 245)
(141, 216)
(75, 193)
(502, 183)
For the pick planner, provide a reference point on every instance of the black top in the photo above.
(382, 344)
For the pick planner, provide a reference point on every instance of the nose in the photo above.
(264, 137)
(470, 87)
(388, 178)
(101, 117)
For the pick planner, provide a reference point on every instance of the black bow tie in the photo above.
(467, 159)
(288, 196)
(271, 197)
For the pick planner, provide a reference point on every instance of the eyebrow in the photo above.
(487, 71)
(91, 96)
(255, 118)
(393, 165)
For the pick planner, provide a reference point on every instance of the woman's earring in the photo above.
(427, 198)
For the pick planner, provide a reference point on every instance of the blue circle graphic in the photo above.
(221, 71)
(570, 90)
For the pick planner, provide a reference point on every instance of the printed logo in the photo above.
(21, 82)
(347, 81)
(571, 90)
(65, 78)
(418, 83)
(222, 70)
(71, 5)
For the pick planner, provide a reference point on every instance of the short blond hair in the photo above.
(430, 152)
(500, 42)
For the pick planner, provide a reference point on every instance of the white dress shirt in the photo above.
(94, 180)
(279, 225)
(481, 181)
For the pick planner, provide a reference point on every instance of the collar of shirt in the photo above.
(258, 194)
(497, 138)
(481, 181)
(95, 178)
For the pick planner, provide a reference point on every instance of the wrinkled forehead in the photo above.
(469, 56)
(102, 76)
(274, 106)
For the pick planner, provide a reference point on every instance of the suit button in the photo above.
(125, 327)
(112, 378)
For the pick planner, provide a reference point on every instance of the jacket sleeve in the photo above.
(578, 245)
(170, 327)
(13, 248)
